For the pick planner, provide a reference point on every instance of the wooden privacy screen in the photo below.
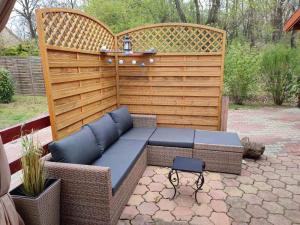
(183, 86)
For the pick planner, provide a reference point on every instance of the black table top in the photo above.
(188, 164)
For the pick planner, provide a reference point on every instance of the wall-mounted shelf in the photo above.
(122, 53)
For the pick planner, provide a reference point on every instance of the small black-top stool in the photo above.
(191, 165)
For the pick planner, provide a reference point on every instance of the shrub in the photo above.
(6, 87)
(278, 67)
(24, 49)
(241, 68)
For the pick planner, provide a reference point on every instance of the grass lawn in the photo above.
(22, 108)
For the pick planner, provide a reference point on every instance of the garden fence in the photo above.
(26, 73)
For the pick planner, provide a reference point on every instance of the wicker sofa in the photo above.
(96, 194)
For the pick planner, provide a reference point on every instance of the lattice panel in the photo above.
(71, 30)
(174, 38)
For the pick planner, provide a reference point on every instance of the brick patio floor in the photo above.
(267, 192)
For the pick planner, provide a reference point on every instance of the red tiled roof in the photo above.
(293, 22)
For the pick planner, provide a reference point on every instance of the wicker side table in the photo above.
(221, 151)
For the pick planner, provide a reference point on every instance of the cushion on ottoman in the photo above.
(173, 137)
(78, 148)
(218, 139)
(105, 131)
(123, 119)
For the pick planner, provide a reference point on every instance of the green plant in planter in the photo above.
(33, 167)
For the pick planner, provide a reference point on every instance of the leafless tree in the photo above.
(25, 9)
(214, 12)
(198, 18)
(180, 11)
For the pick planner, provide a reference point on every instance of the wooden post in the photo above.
(224, 115)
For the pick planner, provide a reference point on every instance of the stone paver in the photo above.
(239, 215)
(183, 213)
(152, 196)
(129, 213)
(273, 207)
(148, 208)
(256, 211)
(165, 216)
(166, 204)
(293, 215)
(135, 200)
(202, 210)
(220, 218)
(278, 219)
(267, 192)
(218, 206)
(200, 220)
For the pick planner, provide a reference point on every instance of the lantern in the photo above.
(127, 45)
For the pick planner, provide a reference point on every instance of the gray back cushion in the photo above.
(78, 148)
(105, 131)
(123, 119)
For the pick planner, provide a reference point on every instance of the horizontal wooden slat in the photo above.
(215, 72)
(171, 100)
(174, 110)
(197, 127)
(64, 121)
(168, 83)
(166, 91)
(82, 102)
(187, 120)
(63, 77)
(69, 92)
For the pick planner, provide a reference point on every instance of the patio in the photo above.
(267, 192)
(174, 82)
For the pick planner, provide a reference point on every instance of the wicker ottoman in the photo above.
(221, 151)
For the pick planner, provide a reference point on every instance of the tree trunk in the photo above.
(251, 23)
(180, 11)
(198, 18)
(277, 21)
(31, 28)
(293, 38)
(294, 32)
(214, 12)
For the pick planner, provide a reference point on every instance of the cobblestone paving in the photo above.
(267, 192)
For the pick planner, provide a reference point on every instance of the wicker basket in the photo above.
(42, 210)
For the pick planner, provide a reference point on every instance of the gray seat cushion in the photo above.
(173, 137)
(105, 131)
(123, 119)
(121, 157)
(79, 148)
(217, 138)
(138, 133)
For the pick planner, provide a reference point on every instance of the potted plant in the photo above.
(37, 199)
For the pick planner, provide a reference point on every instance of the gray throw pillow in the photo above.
(123, 119)
(105, 131)
(78, 148)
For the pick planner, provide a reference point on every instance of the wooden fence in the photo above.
(183, 86)
(26, 73)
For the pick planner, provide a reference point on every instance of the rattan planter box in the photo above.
(41, 210)
(221, 151)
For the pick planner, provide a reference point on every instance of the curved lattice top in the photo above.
(72, 29)
(175, 38)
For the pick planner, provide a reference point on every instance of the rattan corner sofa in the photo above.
(97, 184)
